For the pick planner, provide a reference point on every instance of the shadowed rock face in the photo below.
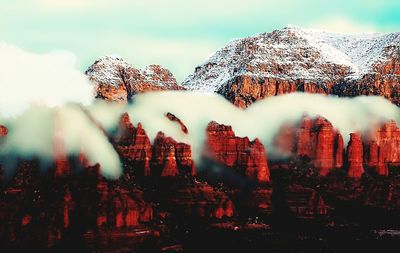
(202, 200)
(44, 212)
(116, 80)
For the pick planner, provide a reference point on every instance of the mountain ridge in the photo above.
(357, 53)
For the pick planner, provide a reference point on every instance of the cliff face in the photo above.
(315, 140)
(244, 90)
(355, 156)
(171, 158)
(383, 149)
(318, 141)
(116, 80)
(165, 157)
(245, 156)
(133, 144)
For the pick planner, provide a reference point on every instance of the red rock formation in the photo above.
(133, 144)
(171, 158)
(172, 117)
(68, 205)
(384, 148)
(3, 131)
(329, 147)
(355, 156)
(165, 157)
(315, 139)
(244, 90)
(285, 141)
(237, 153)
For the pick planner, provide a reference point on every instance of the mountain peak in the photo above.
(117, 80)
(106, 70)
(293, 53)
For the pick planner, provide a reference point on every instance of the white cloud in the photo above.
(262, 120)
(343, 25)
(49, 79)
(36, 92)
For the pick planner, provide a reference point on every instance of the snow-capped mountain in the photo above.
(117, 80)
(297, 57)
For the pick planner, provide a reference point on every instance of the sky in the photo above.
(177, 34)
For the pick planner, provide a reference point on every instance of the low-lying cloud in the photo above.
(44, 96)
(31, 134)
(262, 120)
(50, 79)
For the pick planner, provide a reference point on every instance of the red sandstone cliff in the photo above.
(166, 157)
(171, 158)
(248, 157)
(355, 156)
(134, 145)
(383, 149)
(317, 140)
(314, 139)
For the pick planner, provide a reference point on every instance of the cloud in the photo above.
(50, 79)
(35, 97)
(79, 133)
(343, 25)
(33, 134)
(262, 120)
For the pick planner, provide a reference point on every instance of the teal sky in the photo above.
(178, 34)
